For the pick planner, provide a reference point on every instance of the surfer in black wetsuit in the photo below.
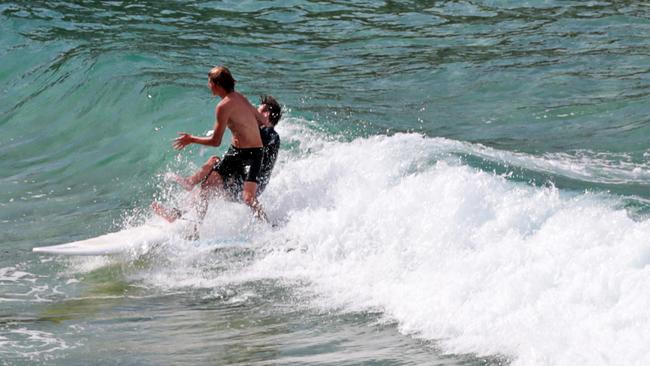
(233, 180)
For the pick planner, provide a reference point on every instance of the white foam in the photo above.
(584, 165)
(466, 258)
(12, 274)
(30, 344)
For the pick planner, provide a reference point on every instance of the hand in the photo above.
(183, 140)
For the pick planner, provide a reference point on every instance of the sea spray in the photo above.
(465, 258)
(513, 223)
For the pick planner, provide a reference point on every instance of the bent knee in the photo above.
(209, 164)
(212, 181)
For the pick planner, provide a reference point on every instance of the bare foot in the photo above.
(169, 214)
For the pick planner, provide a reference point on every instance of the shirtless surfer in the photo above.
(233, 185)
(235, 112)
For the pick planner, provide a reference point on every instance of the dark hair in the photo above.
(274, 108)
(221, 76)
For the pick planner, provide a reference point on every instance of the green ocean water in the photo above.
(538, 95)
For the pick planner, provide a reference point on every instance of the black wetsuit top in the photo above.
(271, 142)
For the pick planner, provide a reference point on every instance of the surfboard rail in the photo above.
(116, 242)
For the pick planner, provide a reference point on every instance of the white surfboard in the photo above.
(121, 241)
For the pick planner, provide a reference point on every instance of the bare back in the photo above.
(241, 120)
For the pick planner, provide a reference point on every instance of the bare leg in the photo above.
(189, 182)
(211, 185)
(250, 198)
(169, 214)
(208, 183)
(184, 182)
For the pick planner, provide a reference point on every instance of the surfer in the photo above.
(247, 149)
(233, 186)
(272, 111)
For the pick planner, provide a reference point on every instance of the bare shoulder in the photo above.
(224, 104)
(241, 98)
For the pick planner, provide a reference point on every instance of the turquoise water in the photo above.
(460, 182)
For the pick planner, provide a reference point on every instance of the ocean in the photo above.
(459, 183)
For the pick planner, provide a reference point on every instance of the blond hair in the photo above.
(221, 76)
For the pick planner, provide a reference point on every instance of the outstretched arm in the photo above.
(220, 124)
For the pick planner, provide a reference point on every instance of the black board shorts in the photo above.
(271, 140)
(236, 160)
